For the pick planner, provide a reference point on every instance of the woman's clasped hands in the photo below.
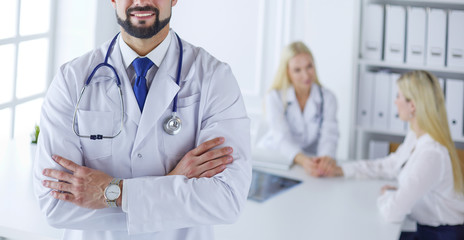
(321, 166)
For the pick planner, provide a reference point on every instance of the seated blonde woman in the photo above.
(427, 168)
(301, 114)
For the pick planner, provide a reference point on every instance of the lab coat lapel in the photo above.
(313, 103)
(292, 102)
(161, 93)
(294, 114)
(131, 106)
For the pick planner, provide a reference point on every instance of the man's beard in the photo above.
(143, 32)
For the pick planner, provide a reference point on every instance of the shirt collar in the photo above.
(156, 55)
(423, 139)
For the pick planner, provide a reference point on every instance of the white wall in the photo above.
(331, 32)
(226, 29)
(106, 25)
(80, 27)
(75, 28)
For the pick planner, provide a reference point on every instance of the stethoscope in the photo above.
(321, 112)
(171, 125)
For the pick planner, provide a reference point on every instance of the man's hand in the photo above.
(204, 162)
(83, 186)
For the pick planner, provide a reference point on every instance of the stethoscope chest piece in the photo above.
(172, 125)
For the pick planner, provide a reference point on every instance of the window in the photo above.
(25, 63)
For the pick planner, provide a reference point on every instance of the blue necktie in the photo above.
(141, 66)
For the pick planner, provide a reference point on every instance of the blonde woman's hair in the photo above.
(281, 79)
(424, 90)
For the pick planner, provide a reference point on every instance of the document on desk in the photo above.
(266, 185)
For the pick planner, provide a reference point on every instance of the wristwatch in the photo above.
(112, 192)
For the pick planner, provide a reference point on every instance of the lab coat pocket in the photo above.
(95, 123)
(188, 100)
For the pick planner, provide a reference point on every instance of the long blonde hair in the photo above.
(424, 90)
(281, 79)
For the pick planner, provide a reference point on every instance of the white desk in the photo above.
(326, 209)
(20, 216)
(315, 209)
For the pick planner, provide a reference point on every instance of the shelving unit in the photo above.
(447, 71)
(363, 134)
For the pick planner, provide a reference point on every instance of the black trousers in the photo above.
(424, 232)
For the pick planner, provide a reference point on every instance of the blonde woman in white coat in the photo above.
(428, 170)
(300, 113)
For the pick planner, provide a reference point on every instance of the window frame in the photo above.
(50, 35)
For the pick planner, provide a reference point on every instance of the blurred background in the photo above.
(37, 37)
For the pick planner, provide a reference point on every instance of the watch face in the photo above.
(112, 192)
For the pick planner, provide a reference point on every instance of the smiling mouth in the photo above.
(143, 14)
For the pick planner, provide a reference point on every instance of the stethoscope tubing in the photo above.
(179, 70)
(118, 83)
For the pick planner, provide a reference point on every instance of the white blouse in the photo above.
(425, 192)
(292, 131)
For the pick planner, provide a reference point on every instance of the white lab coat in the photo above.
(159, 207)
(292, 131)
